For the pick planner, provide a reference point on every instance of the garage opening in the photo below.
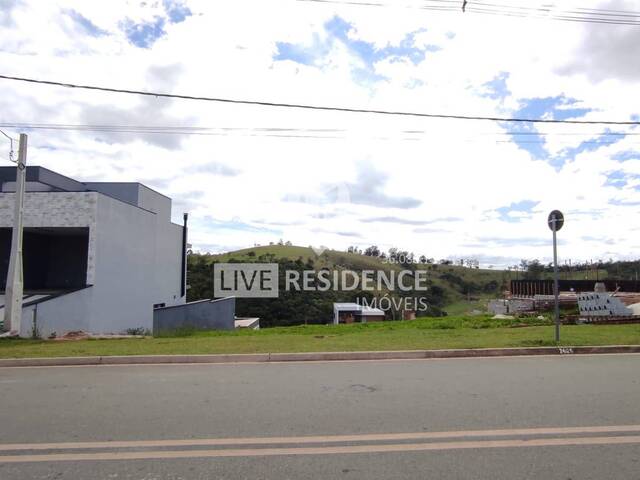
(54, 258)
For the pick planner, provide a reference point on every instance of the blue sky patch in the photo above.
(144, 34)
(516, 242)
(616, 179)
(522, 207)
(496, 89)
(176, 10)
(620, 179)
(306, 55)
(627, 155)
(526, 135)
(623, 203)
(338, 30)
(590, 145)
(556, 108)
(87, 25)
(215, 225)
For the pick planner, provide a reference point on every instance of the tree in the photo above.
(473, 263)
(534, 270)
(372, 251)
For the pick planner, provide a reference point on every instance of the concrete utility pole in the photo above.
(15, 286)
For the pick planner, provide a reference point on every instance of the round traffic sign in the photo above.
(555, 218)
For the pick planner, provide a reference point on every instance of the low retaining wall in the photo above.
(201, 315)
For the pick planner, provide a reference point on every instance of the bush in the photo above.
(141, 331)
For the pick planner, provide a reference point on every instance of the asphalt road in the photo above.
(424, 419)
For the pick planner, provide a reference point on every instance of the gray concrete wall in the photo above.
(156, 202)
(138, 265)
(125, 191)
(62, 314)
(126, 268)
(168, 247)
(165, 240)
(203, 315)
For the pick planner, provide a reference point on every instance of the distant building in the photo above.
(98, 256)
(353, 312)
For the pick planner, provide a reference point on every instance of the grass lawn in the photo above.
(432, 333)
(465, 307)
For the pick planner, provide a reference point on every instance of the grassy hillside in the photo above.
(456, 290)
(462, 289)
(329, 258)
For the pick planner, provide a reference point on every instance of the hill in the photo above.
(453, 289)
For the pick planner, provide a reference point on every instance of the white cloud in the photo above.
(235, 178)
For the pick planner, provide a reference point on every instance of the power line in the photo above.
(196, 130)
(583, 15)
(454, 5)
(332, 134)
(11, 140)
(316, 107)
(553, 9)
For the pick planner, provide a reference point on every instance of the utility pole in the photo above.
(555, 222)
(556, 288)
(14, 287)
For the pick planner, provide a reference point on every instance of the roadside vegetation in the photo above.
(456, 287)
(427, 333)
(448, 283)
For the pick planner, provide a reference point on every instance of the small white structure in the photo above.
(353, 312)
(251, 323)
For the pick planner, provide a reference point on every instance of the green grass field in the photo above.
(435, 333)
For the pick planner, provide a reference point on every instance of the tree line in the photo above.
(299, 307)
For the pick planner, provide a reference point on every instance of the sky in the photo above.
(253, 175)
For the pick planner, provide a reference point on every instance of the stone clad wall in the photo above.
(57, 209)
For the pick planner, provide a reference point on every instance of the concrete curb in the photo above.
(315, 356)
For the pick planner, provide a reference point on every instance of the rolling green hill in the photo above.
(456, 289)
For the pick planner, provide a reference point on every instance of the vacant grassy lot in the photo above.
(436, 333)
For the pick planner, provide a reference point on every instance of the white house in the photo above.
(98, 257)
(354, 312)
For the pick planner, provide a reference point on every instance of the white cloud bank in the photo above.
(438, 187)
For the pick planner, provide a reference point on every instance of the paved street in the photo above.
(569, 417)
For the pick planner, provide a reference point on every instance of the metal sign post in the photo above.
(555, 222)
(15, 286)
